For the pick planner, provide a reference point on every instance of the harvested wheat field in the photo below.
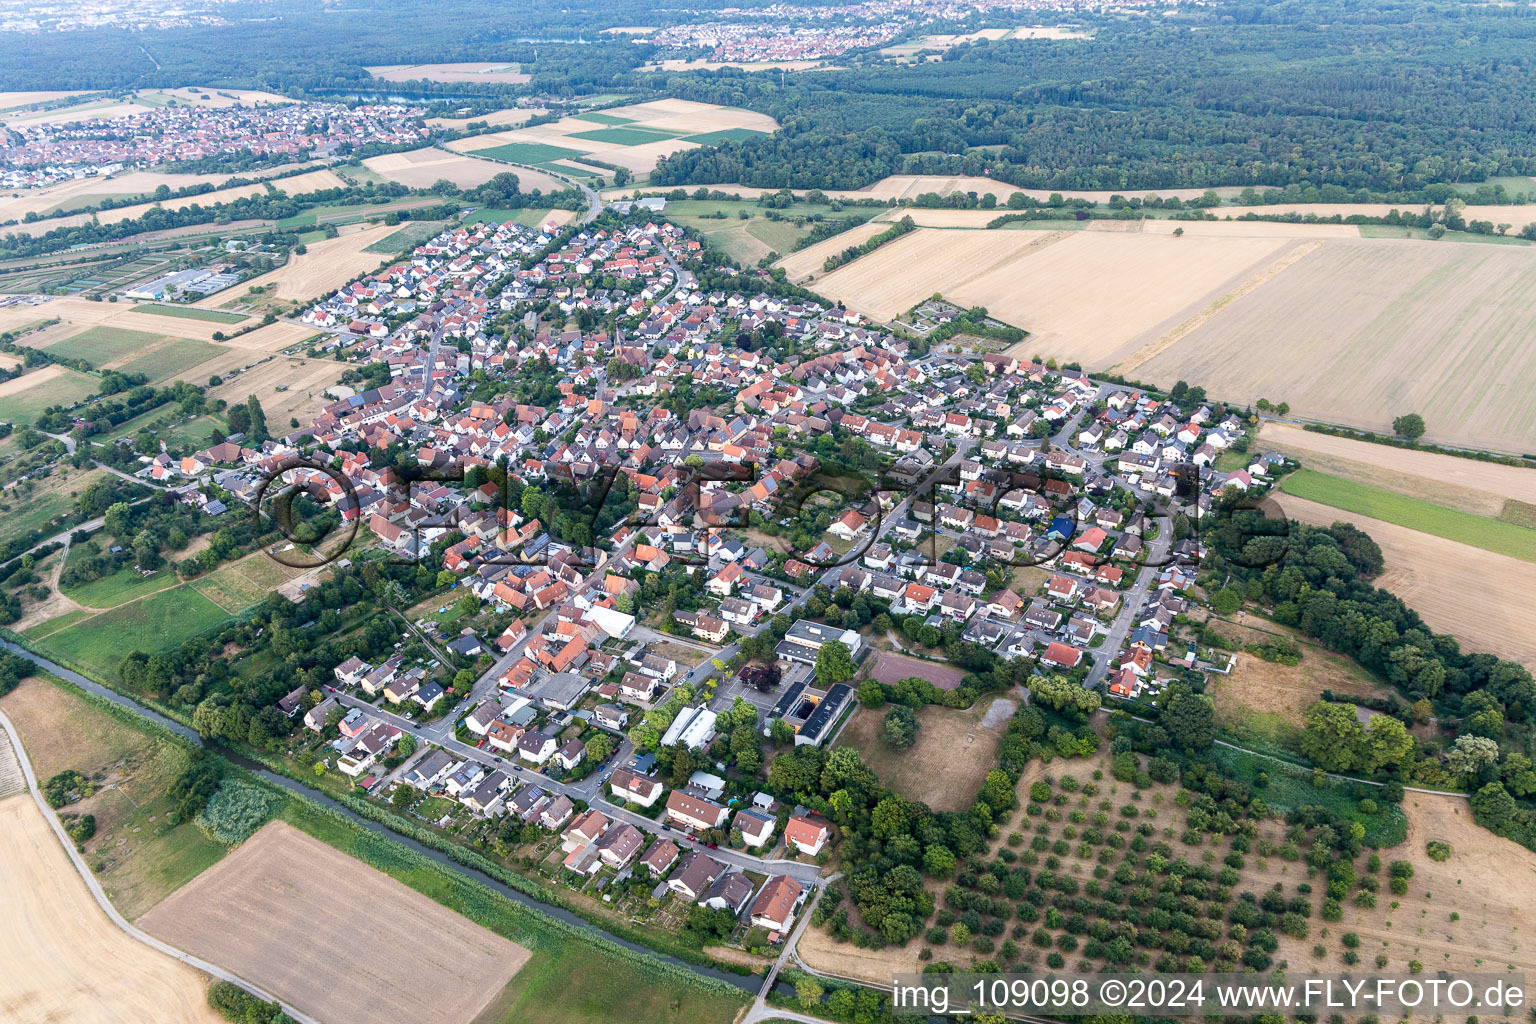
(1479, 597)
(1245, 229)
(329, 934)
(87, 191)
(1359, 332)
(309, 181)
(1094, 293)
(220, 99)
(64, 960)
(422, 168)
(79, 314)
(633, 137)
(904, 272)
(325, 266)
(17, 100)
(496, 71)
(808, 261)
(1478, 487)
(509, 116)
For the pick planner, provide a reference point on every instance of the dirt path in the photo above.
(55, 604)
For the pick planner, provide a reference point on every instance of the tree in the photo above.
(1226, 600)
(117, 519)
(1471, 755)
(1188, 717)
(834, 663)
(257, 416)
(1410, 426)
(899, 729)
(871, 694)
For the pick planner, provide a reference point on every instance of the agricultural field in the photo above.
(303, 382)
(158, 357)
(1453, 524)
(422, 168)
(138, 854)
(24, 398)
(530, 217)
(80, 313)
(190, 312)
(1481, 488)
(749, 240)
(309, 181)
(288, 912)
(495, 71)
(946, 42)
(1085, 295)
(500, 118)
(633, 137)
(406, 238)
(325, 266)
(155, 623)
(1477, 596)
(807, 263)
(945, 767)
(64, 959)
(909, 269)
(1360, 332)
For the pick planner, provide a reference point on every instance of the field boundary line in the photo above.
(106, 905)
(1147, 353)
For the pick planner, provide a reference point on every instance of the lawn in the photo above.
(527, 152)
(155, 623)
(727, 135)
(26, 397)
(625, 136)
(189, 312)
(1414, 513)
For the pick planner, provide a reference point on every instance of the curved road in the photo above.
(106, 905)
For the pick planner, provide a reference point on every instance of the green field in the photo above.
(625, 136)
(54, 624)
(1415, 513)
(726, 135)
(65, 388)
(527, 152)
(189, 312)
(155, 623)
(598, 117)
(101, 345)
(119, 588)
(408, 237)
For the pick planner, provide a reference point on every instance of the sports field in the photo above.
(330, 935)
(1414, 513)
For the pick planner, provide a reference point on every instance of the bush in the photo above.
(1438, 851)
(236, 1004)
(67, 787)
(79, 827)
(235, 811)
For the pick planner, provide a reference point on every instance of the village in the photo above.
(606, 684)
(37, 154)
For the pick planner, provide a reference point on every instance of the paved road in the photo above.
(94, 886)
